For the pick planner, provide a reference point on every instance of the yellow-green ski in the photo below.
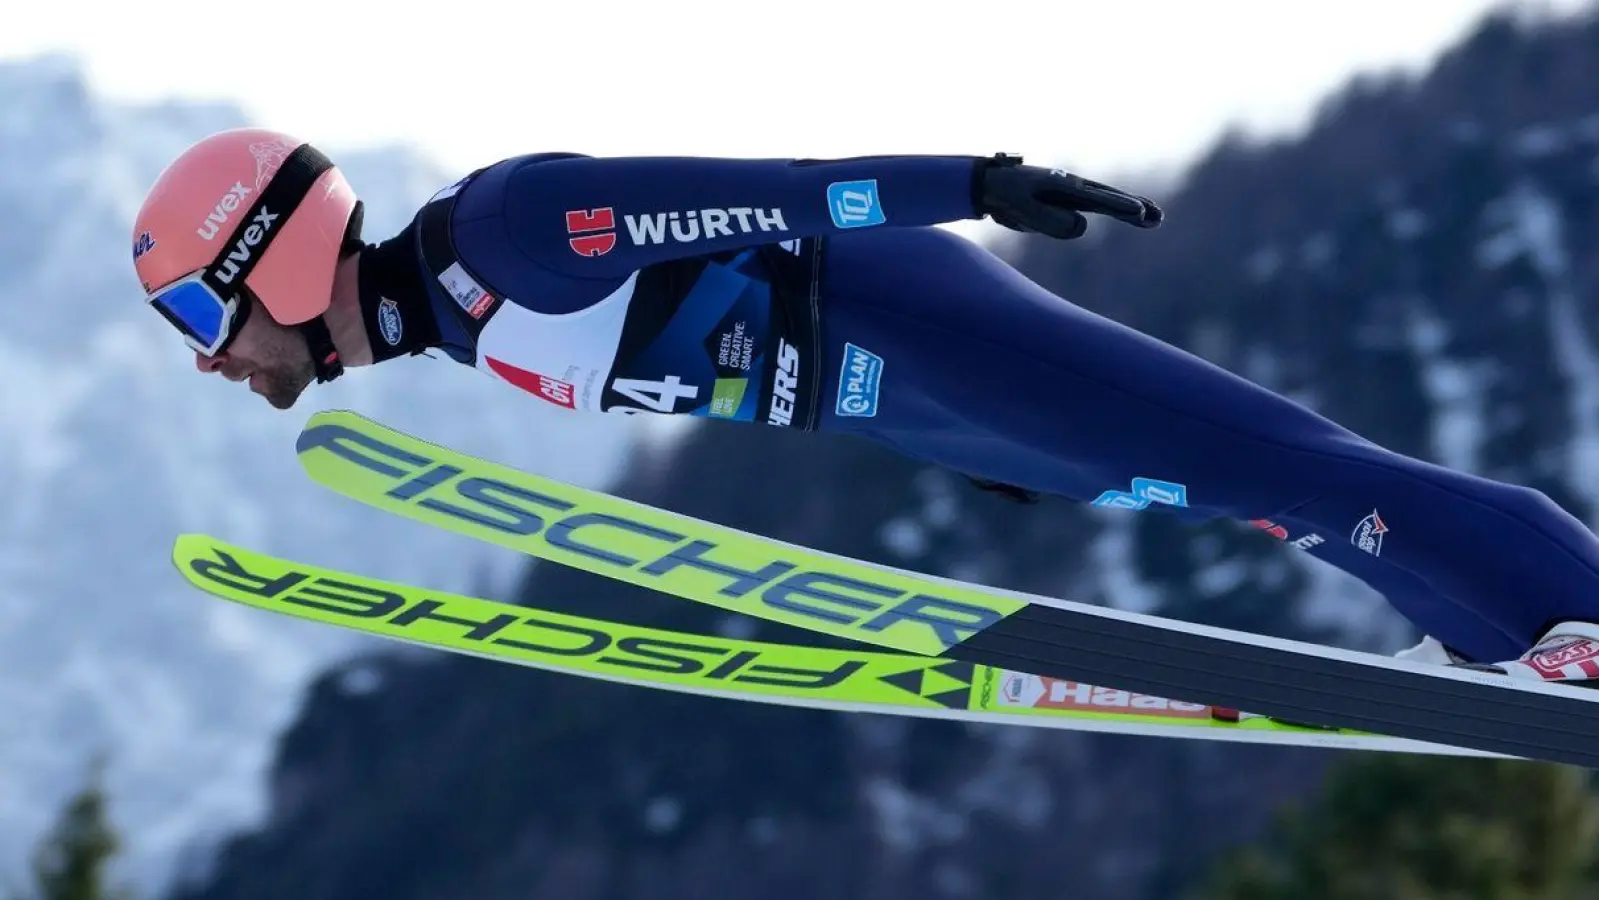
(861, 681)
(641, 545)
(895, 609)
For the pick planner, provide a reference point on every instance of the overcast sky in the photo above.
(1105, 88)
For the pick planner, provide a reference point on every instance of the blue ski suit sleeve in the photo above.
(606, 217)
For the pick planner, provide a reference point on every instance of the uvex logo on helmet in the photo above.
(245, 246)
(219, 215)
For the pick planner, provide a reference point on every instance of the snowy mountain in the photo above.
(1417, 266)
(111, 443)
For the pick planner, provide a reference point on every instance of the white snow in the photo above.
(1453, 387)
(111, 444)
(905, 537)
(1578, 359)
(662, 814)
(1318, 250)
(1220, 577)
(1526, 222)
(1406, 223)
(1118, 579)
(908, 822)
(1540, 140)
(1263, 264)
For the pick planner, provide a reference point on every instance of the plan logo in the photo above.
(858, 383)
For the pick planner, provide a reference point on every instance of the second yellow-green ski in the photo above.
(856, 681)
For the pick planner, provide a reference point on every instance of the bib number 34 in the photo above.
(655, 396)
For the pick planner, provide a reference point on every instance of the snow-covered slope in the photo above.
(111, 443)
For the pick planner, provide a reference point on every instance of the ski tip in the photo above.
(336, 421)
(322, 420)
(190, 544)
(323, 416)
(186, 547)
(186, 540)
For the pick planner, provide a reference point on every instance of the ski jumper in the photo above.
(816, 295)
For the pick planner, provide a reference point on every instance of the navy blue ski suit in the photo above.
(816, 295)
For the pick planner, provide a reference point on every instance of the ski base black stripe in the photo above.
(1330, 692)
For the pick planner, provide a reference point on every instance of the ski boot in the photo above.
(1567, 653)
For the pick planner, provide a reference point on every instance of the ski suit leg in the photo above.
(985, 372)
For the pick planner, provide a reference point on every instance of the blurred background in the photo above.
(1387, 211)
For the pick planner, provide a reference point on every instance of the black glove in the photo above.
(1052, 202)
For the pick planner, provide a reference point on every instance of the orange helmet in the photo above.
(246, 214)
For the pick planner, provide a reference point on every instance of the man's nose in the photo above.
(207, 363)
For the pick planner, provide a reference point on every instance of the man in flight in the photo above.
(817, 295)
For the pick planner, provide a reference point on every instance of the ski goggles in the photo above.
(209, 306)
(207, 320)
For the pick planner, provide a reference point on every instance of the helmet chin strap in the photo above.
(323, 354)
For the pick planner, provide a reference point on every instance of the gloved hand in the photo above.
(1053, 202)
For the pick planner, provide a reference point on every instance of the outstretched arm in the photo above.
(599, 217)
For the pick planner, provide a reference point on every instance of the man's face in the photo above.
(272, 357)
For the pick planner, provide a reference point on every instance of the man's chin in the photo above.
(281, 401)
(279, 395)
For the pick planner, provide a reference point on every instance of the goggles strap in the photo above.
(241, 313)
(238, 256)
